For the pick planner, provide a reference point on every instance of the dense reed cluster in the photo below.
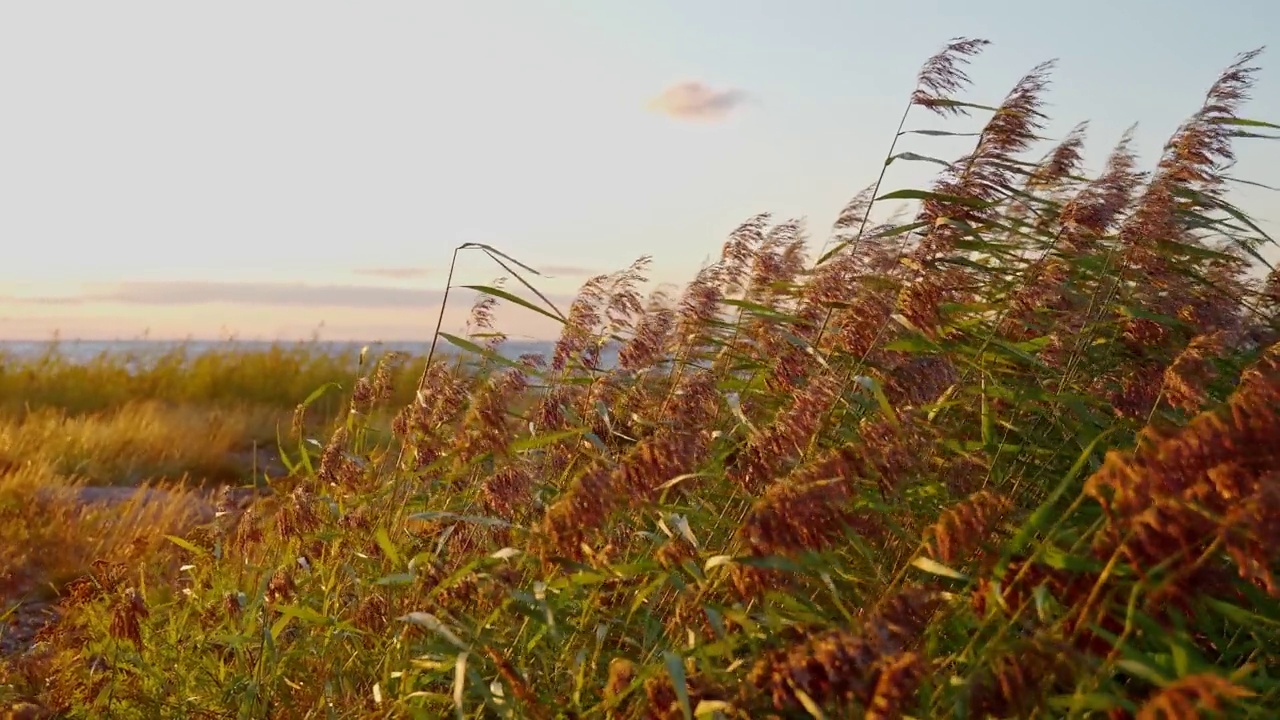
(1017, 455)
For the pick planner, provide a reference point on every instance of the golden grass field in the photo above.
(1015, 456)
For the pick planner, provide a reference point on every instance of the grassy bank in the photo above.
(1015, 457)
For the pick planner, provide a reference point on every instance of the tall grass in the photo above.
(1015, 457)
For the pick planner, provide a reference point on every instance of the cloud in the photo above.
(696, 101)
(402, 273)
(179, 293)
(278, 294)
(43, 299)
(566, 270)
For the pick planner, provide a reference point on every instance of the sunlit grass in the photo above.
(1013, 458)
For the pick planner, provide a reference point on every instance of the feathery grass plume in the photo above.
(1270, 295)
(127, 613)
(622, 673)
(808, 511)
(986, 174)
(920, 300)
(652, 334)
(480, 319)
(625, 303)
(1020, 678)
(249, 533)
(1044, 294)
(583, 319)
(858, 328)
(585, 505)
(593, 497)
(739, 253)
(1094, 211)
(420, 423)
(699, 305)
(778, 260)
(1159, 240)
(298, 515)
(853, 212)
(281, 588)
(695, 401)
(892, 455)
(1138, 390)
(1034, 208)
(663, 703)
(920, 381)
(1187, 377)
(818, 304)
(771, 450)
(1061, 164)
(506, 493)
(964, 527)
(384, 375)
(1191, 697)
(943, 75)
(337, 468)
(1197, 486)
(896, 686)
(487, 426)
(596, 403)
(836, 668)
(371, 615)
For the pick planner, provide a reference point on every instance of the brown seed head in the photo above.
(943, 75)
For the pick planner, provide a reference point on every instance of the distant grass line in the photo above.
(1013, 457)
(276, 376)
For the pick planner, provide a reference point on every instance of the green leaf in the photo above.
(940, 133)
(279, 626)
(1040, 518)
(472, 519)
(534, 442)
(940, 197)
(899, 230)
(498, 256)
(302, 613)
(919, 158)
(185, 545)
(675, 668)
(318, 392)
(504, 295)
(486, 353)
(1246, 123)
(388, 548)
(396, 579)
(934, 567)
(432, 623)
(1239, 615)
(1143, 671)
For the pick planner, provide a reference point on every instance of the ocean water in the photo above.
(141, 351)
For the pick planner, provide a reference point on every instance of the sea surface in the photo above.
(141, 351)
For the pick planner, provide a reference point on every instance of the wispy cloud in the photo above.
(395, 273)
(694, 100)
(178, 293)
(254, 293)
(567, 271)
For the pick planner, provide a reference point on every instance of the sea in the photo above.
(140, 352)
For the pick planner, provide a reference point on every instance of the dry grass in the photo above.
(1013, 457)
(51, 533)
(140, 441)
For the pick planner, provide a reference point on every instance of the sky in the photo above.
(274, 169)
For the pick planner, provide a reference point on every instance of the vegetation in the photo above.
(1015, 457)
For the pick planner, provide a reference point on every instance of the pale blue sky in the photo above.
(149, 149)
